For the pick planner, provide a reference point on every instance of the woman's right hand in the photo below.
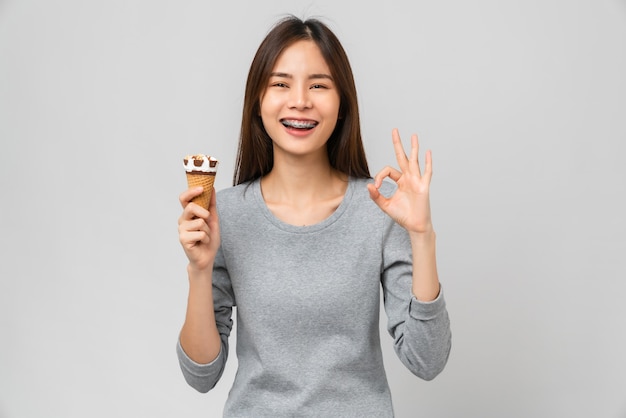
(198, 230)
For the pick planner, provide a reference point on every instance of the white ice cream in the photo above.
(200, 163)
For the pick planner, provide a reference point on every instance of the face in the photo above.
(300, 105)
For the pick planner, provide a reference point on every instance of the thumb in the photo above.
(376, 196)
(213, 204)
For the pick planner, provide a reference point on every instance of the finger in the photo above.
(186, 196)
(428, 166)
(195, 225)
(213, 205)
(390, 172)
(399, 149)
(191, 238)
(192, 211)
(376, 196)
(192, 231)
(414, 164)
(213, 216)
(428, 169)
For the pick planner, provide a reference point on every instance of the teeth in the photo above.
(299, 124)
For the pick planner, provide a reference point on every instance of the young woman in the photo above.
(303, 244)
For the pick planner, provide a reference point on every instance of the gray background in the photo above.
(522, 102)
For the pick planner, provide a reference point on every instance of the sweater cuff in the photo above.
(425, 311)
(197, 369)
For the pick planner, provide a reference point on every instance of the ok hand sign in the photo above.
(409, 206)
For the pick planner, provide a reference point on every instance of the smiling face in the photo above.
(300, 104)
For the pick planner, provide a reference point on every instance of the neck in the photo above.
(302, 180)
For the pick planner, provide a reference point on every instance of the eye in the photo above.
(279, 84)
(318, 86)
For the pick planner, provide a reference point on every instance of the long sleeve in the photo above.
(308, 309)
(421, 330)
(203, 377)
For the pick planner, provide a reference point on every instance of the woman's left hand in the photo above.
(409, 206)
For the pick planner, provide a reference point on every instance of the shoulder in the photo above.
(240, 191)
(362, 194)
(235, 198)
(362, 205)
(364, 208)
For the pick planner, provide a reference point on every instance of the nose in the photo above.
(299, 98)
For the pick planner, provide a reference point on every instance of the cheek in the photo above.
(268, 105)
(267, 116)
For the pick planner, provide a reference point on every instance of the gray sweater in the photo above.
(307, 301)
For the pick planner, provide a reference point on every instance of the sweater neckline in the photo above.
(345, 202)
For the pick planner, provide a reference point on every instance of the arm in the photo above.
(425, 284)
(421, 329)
(201, 337)
(410, 207)
(421, 332)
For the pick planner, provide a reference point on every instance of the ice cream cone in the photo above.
(201, 170)
(206, 180)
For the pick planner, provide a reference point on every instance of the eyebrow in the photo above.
(311, 77)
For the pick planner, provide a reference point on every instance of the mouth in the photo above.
(301, 125)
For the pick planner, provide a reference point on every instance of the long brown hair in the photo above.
(255, 156)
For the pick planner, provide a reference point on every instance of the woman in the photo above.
(303, 244)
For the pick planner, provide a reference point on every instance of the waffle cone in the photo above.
(204, 180)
